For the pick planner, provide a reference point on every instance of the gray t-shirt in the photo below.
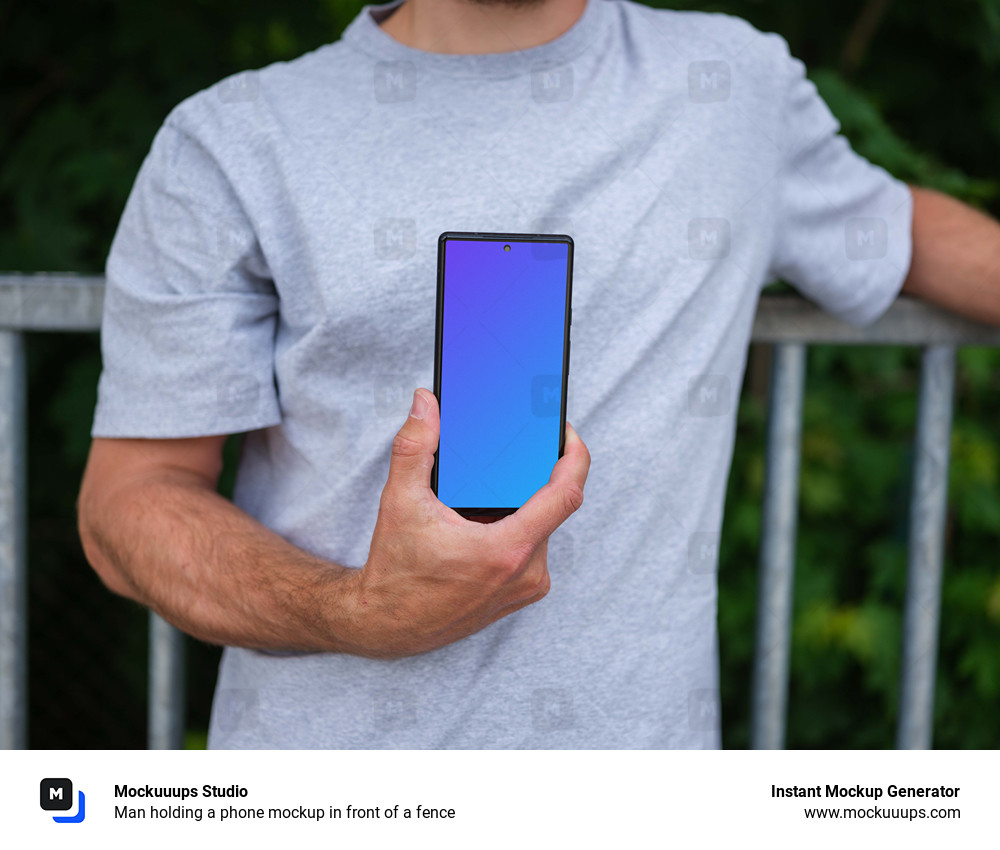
(274, 272)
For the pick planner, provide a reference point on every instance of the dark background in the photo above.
(85, 85)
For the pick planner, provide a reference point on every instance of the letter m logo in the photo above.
(709, 81)
(866, 238)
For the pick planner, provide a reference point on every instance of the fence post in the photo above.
(777, 548)
(166, 685)
(13, 544)
(928, 509)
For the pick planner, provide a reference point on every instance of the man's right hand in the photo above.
(432, 576)
(156, 530)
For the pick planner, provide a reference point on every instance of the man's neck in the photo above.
(468, 26)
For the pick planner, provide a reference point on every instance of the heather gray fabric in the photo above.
(274, 272)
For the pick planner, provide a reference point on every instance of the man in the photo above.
(273, 273)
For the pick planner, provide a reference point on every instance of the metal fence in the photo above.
(73, 303)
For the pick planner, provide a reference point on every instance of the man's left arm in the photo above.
(956, 257)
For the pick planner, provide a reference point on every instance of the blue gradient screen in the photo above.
(502, 337)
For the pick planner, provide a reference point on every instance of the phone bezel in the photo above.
(455, 235)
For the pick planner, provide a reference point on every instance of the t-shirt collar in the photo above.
(364, 34)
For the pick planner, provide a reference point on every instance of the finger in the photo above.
(414, 445)
(554, 503)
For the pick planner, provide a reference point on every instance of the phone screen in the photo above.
(502, 359)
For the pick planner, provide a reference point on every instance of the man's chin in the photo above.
(510, 4)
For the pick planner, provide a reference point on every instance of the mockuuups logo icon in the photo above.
(551, 84)
(395, 82)
(56, 795)
(866, 238)
(546, 395)
(709, 82)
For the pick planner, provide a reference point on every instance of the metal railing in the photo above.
(64, 302)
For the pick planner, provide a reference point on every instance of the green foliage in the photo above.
(873, 138)
(84, 88)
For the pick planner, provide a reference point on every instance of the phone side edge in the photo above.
(567, 340)
(438, 346)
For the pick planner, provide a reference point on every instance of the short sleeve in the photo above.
(843, 226)
(190, 309)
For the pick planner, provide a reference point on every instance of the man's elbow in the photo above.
(90, 521)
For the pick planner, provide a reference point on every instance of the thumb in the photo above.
(414, 444)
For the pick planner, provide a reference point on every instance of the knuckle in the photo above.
(404, 446)
(540, 584)
(572, 498)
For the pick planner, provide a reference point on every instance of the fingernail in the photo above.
(418, 410)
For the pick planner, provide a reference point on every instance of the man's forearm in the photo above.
(156, 531)
(956, 257)
(169, 542)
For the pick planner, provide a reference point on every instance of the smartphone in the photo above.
(501, 366)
